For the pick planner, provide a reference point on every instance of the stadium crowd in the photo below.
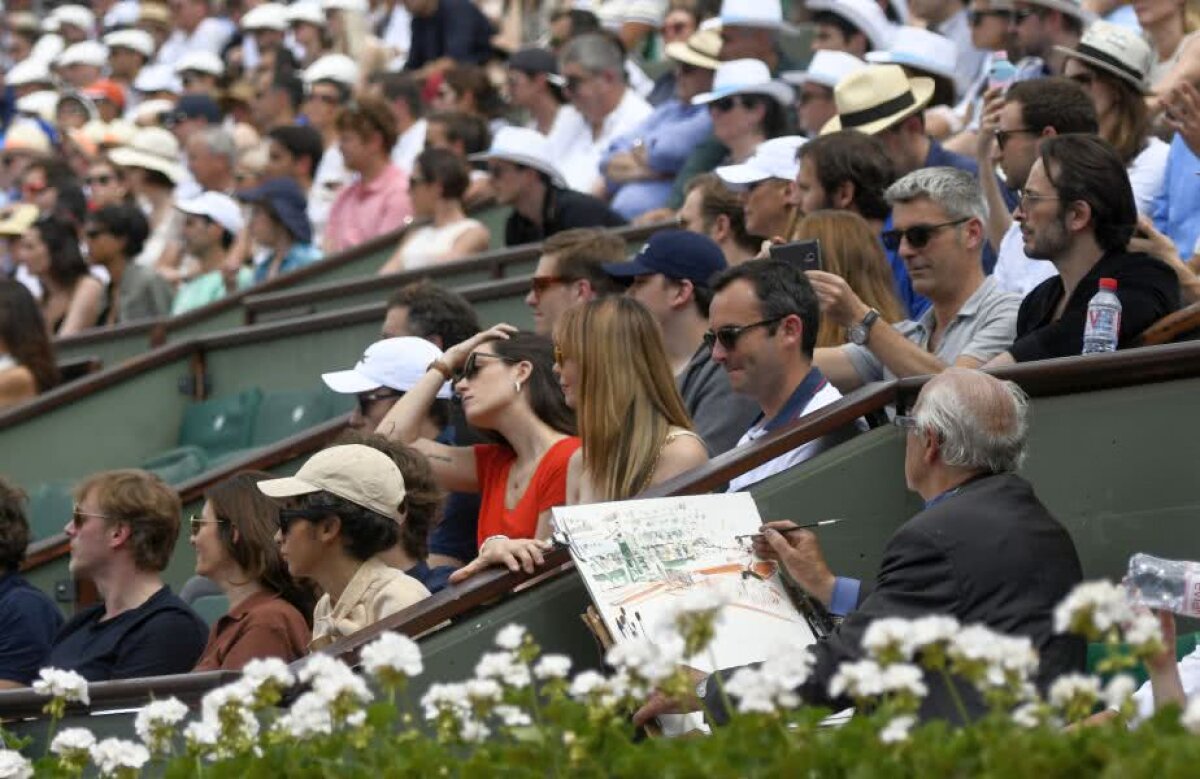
(972, 171)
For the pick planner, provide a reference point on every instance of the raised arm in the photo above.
(999, 218)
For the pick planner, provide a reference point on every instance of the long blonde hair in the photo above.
(627, 400)
(851, 250)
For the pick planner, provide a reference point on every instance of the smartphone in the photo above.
(806, 255)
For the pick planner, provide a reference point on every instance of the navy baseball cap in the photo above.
(198, 107)
(287, 201)
(677, 254)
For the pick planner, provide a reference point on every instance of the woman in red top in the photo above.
(234, 540)
(507, 384)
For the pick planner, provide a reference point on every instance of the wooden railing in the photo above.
(121, 694)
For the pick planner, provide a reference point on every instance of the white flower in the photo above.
(513, 716)
(484, 690)
(13, 765)
(1027, 715)
(889, 636)
(201, 735)
(72, 740)
(587, 683)
(1069, 689)
(342, 686)
(861, 679)
(897, 729)
(321, 665)
(505, 667)
(1119, 690)
(265, 670)
(754, 692)
(445, 698)
(155, 722)
(237, 695)
(1144, 631)
(510, 637)
(309, 716)
(1191, 715)
(1098, 604)
(643, 658)
(788, 668)
(552, 667)
(473, 731)
(932, 629)
(67, 685)
(904, 678)
(112, 754)
(392, 653)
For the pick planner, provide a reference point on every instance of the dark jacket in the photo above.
(991, 554)
(563, 209)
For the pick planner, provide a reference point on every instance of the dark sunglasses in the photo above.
(917, 235)
(729, 335)
(471, 367)
(724, 104)
(539, 284)
(365, 399)
(1002, 136)
(195, 524)
(104, 179)
(311, 514)
(977, 17)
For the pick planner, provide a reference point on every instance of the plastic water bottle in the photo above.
(1172, 585)
(1002, 73)
(1102, 327)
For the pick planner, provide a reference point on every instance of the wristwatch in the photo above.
(861, 331)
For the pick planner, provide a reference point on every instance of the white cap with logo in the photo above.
(217, 206)
(364, 476)
(396, 363)
(773, 159)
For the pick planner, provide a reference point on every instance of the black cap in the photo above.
(534, 61)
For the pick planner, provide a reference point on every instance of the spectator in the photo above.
(1012, 130)
(29, 620)
(422, 502)
(570, 272)
(1112, 63)
(52, 186)
(278, 99)
(747, 107)
(109, 99)
(279, 225)
(680, 23)
(852, 26)
(592, 67)
(763, 326)
(106, 184)
(445, 319)
(234, 541)
(713, 210)
(814, 101)
(963, 447)
(466, 135)
(128, 52)
(27, 365)
(294, 152)
(750, 30)
(388, 369)
(196, 28)
(1043, 25)
(850, 251)
(670, 277)
(468, 88)
(71, 297)
(378, 202)
(330, 83)
(445, 32)
(535, 87)
(765, 180)
(346, 506)
(526, 177)
(116, 234)
(939, 215)
(266, 25)
(306, 21)
(850, 171)
(212, 159)
(950, 19)
(1177, 208)
(24, 143)
(1077, 211)
(507, 384)
(437, 185)
(403, 94)
(122, 532)
(82, 64)
(640, 164)
(1171, 28)
(151, 161)
(200, 73)
(211, 223)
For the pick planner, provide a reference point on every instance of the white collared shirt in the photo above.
(1014, 271)
(579, 151)
(409, 145)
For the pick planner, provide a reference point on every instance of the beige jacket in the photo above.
(376, 591)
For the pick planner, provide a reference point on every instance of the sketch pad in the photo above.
(638, 557)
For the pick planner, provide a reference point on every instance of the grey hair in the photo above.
(980, 421)
(954, 191)
(219, 142)
(594, 52)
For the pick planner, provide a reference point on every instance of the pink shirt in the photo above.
(365, 210)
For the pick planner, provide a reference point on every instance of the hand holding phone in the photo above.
(806, 255)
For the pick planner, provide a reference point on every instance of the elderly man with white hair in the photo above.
(984, 550)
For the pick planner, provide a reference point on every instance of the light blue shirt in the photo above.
(1177, 208)
(298, 256)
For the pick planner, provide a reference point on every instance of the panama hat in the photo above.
(876, 97)
(1117, 50)
(40, 105)
(17, 218)
(865, 15)
(702, 49)
(152, 148)
(914, 47)
(523, 146)
(25, 135)
(826, 68)
(28, 71)
(83, 53)
(746, 77)
(200, 62)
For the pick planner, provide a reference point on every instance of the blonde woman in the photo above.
(614, 372)
(851, 250)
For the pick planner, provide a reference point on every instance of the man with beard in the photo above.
(1077, 211)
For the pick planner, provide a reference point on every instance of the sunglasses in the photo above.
(724, 104)
(195, 523)
(729, 335)
(366, 399)
(103, 180)
(977, 17)
(78, 518)
(471, 367)
(1003, 135)
(917, 235)
(311, 514)
(539, 284)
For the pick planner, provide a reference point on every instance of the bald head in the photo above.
(979, 419)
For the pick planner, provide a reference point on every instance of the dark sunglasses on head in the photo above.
(471, 367)
(917, 235)
(729, 335)
(312, 514)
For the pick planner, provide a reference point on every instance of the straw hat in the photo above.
(1116, 50)
(16, 219)
(702, 49)
(746, 77)
(876, 97)
(152, 148)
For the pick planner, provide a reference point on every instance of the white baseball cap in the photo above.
(28, 71)
(268, 16)
(826, 68)
(773, 159)
(359, 6)
(753, 13)
(41, 104)
(157, 78)
(134, 40)
(74, 15)
(83, 53)
(333, 67)
(523, 146)
(200, 62)
(305, 11)
(395, 363)
(925, 50)
(866, 15)
(217, 206)
(364, 476)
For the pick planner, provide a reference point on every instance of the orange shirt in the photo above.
(547, 488)
(263, 625)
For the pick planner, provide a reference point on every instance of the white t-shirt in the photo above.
(1189, 674)
(1146, 174)
(331, 175)
(210, 35)
(1014, 271)
(409, 145)
(580, 152)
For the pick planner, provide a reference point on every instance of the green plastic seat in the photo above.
(176, 466)
(210, 608)
(221, 425)
(283, 414)
(50, 507)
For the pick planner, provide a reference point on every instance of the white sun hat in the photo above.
(91, 53)
(357, 6)
(28, 71)
(333, 67)
(746, 77)
(826, 68)
(74, 15)
(135, 40)
(523, 146)
(157, 78)
(152, 148)
(922, 49)
(305, 11)
(773, 159)
(40, 105)
(395, 363)
(200, 62)
(866, 15)
(767, 14)
(24, 135)
(268, 16)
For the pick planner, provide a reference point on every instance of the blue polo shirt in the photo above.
(162, 636)
(28, 622)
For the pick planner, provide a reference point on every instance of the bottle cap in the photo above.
(1107, 283)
